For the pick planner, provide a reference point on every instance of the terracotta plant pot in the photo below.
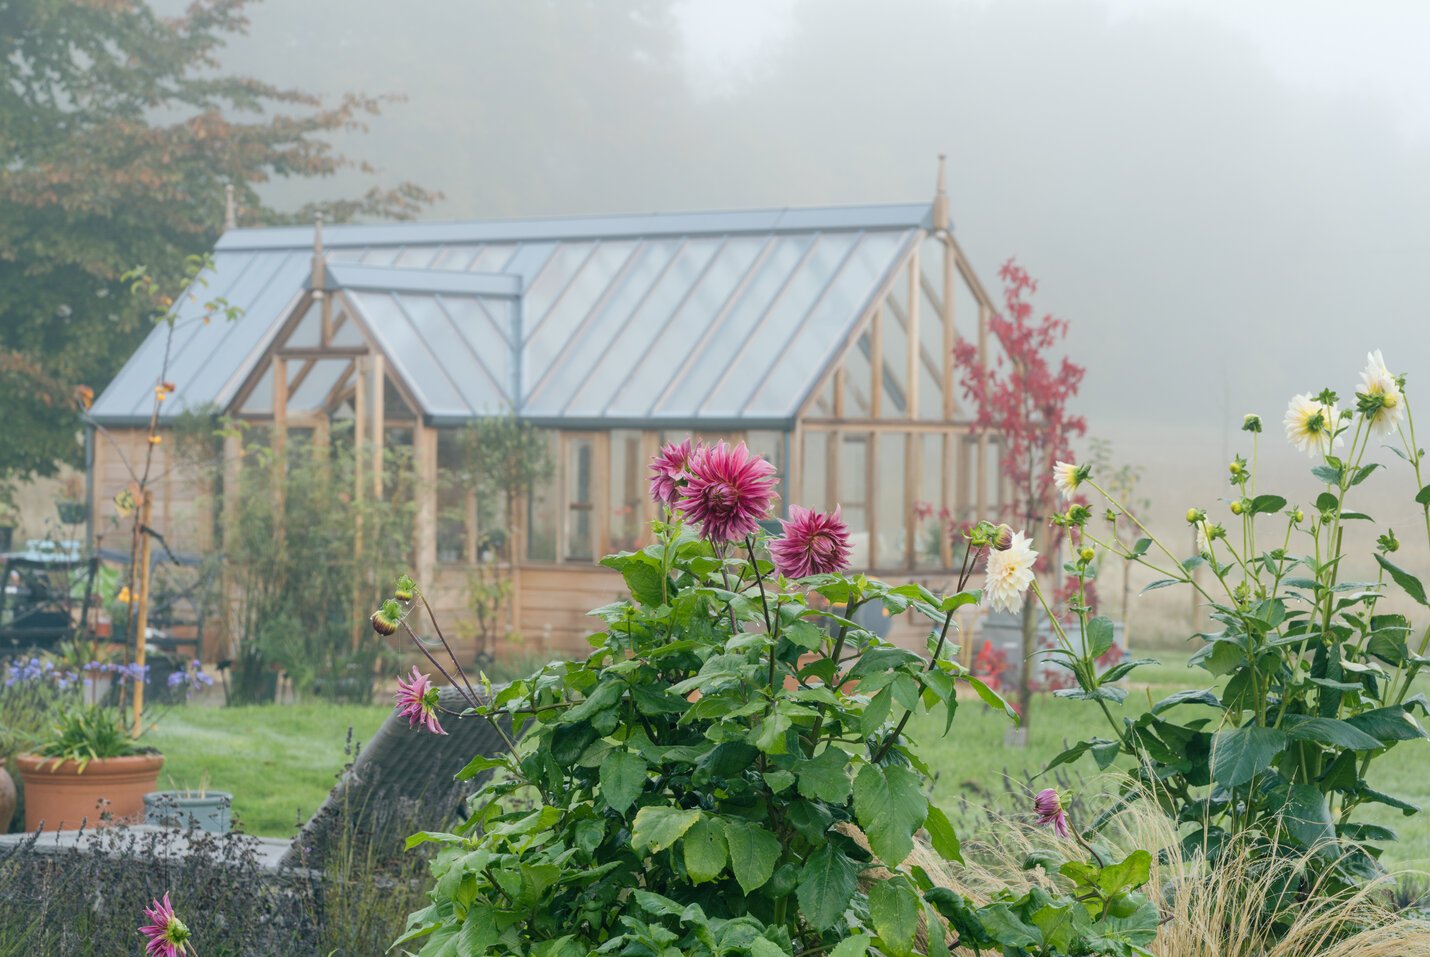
(61, 798)
(9, 797)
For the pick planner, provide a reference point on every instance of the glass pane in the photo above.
(891, 510)
(542, 514)
(346, 332)
(455, 257)
(481, 325)
(380, 256)
(312, 392)
(580, 461)
(553, 279)
(452, 498)
(814, 476)
(434, 358)
(894, 404)
(663, 337)
(308, 334)
(740, 321)
(417, 257)
(930, 360)
(614, 369)
(927, 509)
(858, 380)
(840, 306)
(853, 495)
(260, 400)
(823, 406)
(576, 302)
(627, 489)
(492, 258)
(573, 371)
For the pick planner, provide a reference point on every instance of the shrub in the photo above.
(729, 771)
(1317, 674)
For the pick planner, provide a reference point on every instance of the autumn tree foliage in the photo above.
(119, 132)
(1022, 393)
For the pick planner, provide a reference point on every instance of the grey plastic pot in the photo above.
(182, 810)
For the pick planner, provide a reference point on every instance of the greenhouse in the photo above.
(822, 337)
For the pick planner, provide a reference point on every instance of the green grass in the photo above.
(972, 760)
(278, 761)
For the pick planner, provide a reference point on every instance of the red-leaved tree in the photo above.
(1022, 394)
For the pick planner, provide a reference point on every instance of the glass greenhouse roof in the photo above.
(702, 318)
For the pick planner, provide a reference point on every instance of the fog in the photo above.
(1228, 201)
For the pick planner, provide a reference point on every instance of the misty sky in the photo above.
(1229, 200)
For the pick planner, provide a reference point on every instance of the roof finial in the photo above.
(940, 200)
(318, 277)
(230, 212)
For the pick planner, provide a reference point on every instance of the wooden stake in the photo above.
(141, 623)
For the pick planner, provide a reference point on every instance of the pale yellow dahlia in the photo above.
(1066, 476)
(1377, 382)
(1311, 425)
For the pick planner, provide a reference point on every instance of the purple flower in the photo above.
(417, 702)
(813, 543)
(670, 470)
(1049, 808)
(168, 937)
(728, 492)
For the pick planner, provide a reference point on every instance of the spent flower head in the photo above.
(167, 935)
(1048, 806)
(813, 543)
(417, 702)
(670, 470)
(1251, 422)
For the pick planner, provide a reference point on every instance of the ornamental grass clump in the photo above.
(729, 772)
(1316, 673)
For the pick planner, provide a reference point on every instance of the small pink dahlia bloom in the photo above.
(168, 937)
(670, 470)
(417, 702)
(728, 492)
(813, 543)
(1049, 807)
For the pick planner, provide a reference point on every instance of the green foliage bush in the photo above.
(729, 772)
(1317, 673)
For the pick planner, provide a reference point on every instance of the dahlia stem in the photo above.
(438, 628)
(725, 574)
(899, 729)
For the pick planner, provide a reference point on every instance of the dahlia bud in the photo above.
(1195, 515)
(1087, 554)
(1388, 543)
(1002, 537)
(1237, 508)
(406, 588)
(1236, 468)
(386, 619)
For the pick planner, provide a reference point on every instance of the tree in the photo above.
(119, 133)
(1023, 396)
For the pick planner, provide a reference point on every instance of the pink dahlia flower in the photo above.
(813, 543)
(670, 470)
(1049, 808)
(168, 937)
(417, 702)
(728, 492)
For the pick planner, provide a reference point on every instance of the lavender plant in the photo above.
(730, 771)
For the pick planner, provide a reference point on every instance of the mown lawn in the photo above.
(280, 761)
(972, 760)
